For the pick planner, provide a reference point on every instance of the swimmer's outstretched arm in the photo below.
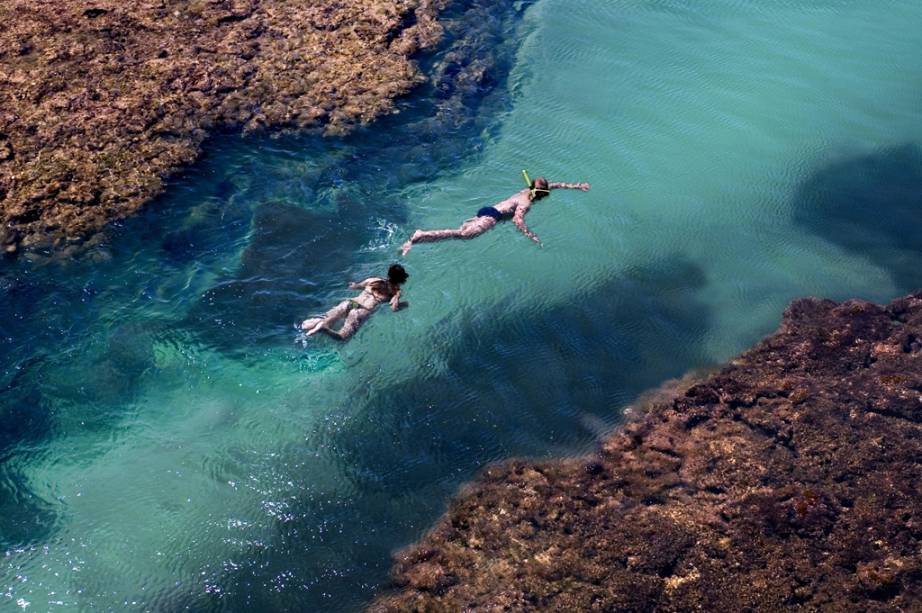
(519, 220)
(395, 301)
(559, 185)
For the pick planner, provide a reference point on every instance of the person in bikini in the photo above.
(515, 207)
(375, 291)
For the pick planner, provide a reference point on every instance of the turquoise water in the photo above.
(170, 442)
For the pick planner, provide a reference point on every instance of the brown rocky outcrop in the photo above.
(101, 100)
(791, 479)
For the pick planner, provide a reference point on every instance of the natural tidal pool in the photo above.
(168, 441)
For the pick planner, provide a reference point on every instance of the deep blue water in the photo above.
(168, 441)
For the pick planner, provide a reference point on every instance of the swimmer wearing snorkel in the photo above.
(515, 207)
(375, 291)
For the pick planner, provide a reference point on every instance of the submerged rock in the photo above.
(789, 479)
(99, 102)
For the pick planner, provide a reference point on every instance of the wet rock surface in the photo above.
(101, 101)
(788, 480)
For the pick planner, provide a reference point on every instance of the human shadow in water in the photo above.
(870, 205)
(524, 382)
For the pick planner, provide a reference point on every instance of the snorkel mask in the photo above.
(534, 190)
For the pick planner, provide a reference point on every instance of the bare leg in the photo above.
(469, 229)
(429, 236)
(354, 321)
(313, 325)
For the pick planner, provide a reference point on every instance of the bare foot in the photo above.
(317, 327)
(409, 244)
(307, 324)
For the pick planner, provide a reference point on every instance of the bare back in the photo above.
(509, 206)
(375, 292)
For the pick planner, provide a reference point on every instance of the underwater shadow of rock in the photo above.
(524, 383)
(25, 419)
(288, 246)
(871, 206)
(39, 366)
(204, 232)
(513, 386)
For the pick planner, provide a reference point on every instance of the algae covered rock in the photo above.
(789, 480)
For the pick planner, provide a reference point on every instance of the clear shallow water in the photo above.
(168, 443)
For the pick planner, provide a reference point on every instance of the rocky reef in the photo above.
(100, 101)
(790, 479)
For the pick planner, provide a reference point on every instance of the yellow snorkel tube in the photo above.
(534, 190)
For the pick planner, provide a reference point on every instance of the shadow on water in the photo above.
(26, 416)
(65, 367)
(195, 238)
(25, 419)
(871, 206)
(514, 383)
(345, 210)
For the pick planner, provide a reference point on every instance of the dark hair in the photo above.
(396, 274)
(539, 188)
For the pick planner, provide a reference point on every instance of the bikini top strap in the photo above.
(381, 286)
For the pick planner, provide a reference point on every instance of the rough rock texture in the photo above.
(791, 479)
(100, 100)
